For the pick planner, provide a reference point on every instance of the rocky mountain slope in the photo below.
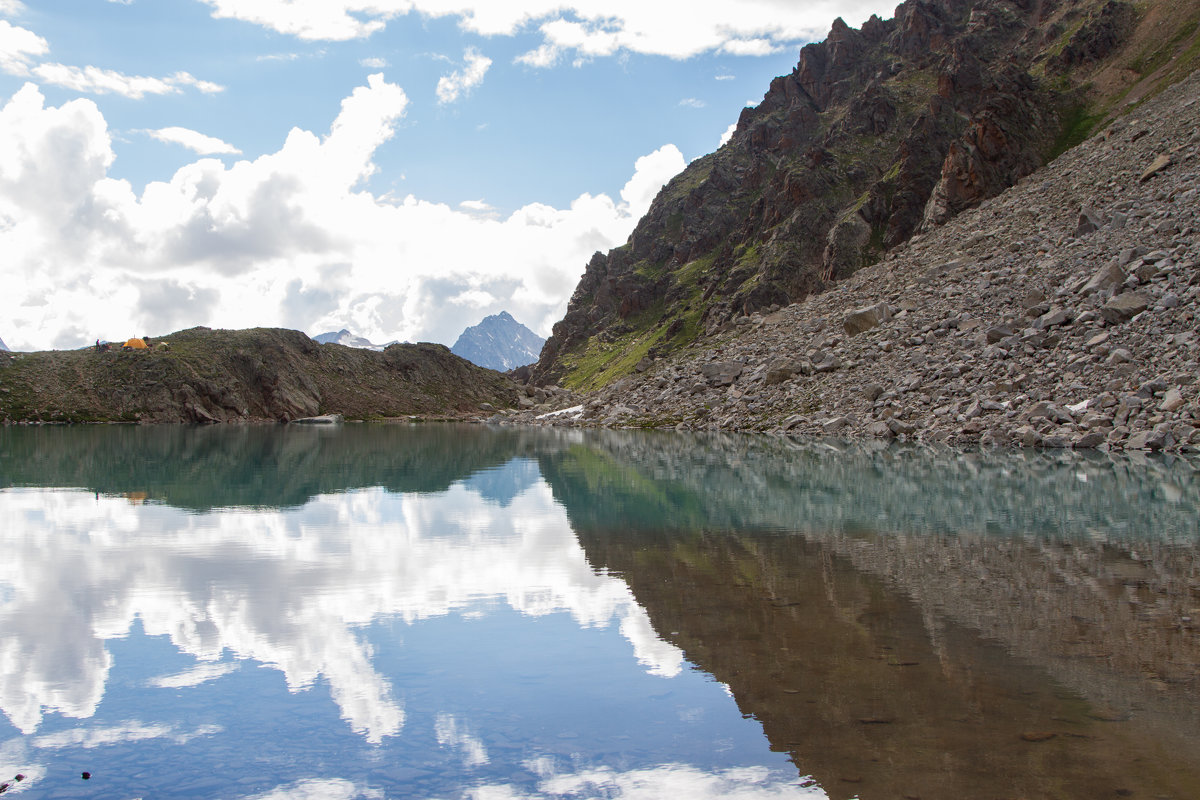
(878, 135)
(1064, 312)
(202, 375)
(499, 342)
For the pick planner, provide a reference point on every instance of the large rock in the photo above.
(1124, 307)
(722, 373)
(1104, 278)
(863, 319)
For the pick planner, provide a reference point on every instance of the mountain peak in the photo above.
(499, 342)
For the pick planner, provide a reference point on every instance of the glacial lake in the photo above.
(440, 611)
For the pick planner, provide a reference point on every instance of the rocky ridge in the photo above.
(262, 374)
(1063, 313)
(877, 135)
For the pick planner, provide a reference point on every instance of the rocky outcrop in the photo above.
(499, 342)
(202, 375)
(876, 135)
(1062, 313)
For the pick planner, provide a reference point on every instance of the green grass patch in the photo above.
(1077, 124)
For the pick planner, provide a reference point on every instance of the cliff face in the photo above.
(203, 375)
(877, 135)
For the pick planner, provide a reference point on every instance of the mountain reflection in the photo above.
(902, 621)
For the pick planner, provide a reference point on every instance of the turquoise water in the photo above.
(463, 612)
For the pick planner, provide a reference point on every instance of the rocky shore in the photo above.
(1063, 313)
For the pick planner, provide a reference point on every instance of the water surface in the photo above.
(460, 612)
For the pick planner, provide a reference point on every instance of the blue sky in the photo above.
(401, 168)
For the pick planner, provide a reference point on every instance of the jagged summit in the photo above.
(499, 342)
(345, 337)
(878, 134)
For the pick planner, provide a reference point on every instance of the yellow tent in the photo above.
(134, 344)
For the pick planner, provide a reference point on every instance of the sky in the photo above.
(399, 168)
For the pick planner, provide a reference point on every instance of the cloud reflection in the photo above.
(333, 789)
(667, 780)
(293, 590)
(134, 731)
(200, 674)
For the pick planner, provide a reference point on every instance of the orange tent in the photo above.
(135, 344)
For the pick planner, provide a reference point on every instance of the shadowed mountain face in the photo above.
(877, 134)
(499, 342)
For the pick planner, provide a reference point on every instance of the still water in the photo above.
(460, 612)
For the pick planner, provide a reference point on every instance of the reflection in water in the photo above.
(898, 621)
(273, 588)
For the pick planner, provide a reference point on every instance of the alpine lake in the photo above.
(459, 611)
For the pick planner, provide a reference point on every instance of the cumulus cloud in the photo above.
(10, 8)
(17, 48)
(589, 28)
(193, 140)
(728, 134)
(461, 82)
(651, 172)
(293, 237)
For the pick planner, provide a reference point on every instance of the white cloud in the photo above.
(291, 238)
(461, 82)
(373, 63)
(692, 102)
(726, 77)
(547, 55)
(651, 173)
(728, 134)
(94, 80)
(10, 8)
(17, 47)
(204, 145)
(588, 27)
